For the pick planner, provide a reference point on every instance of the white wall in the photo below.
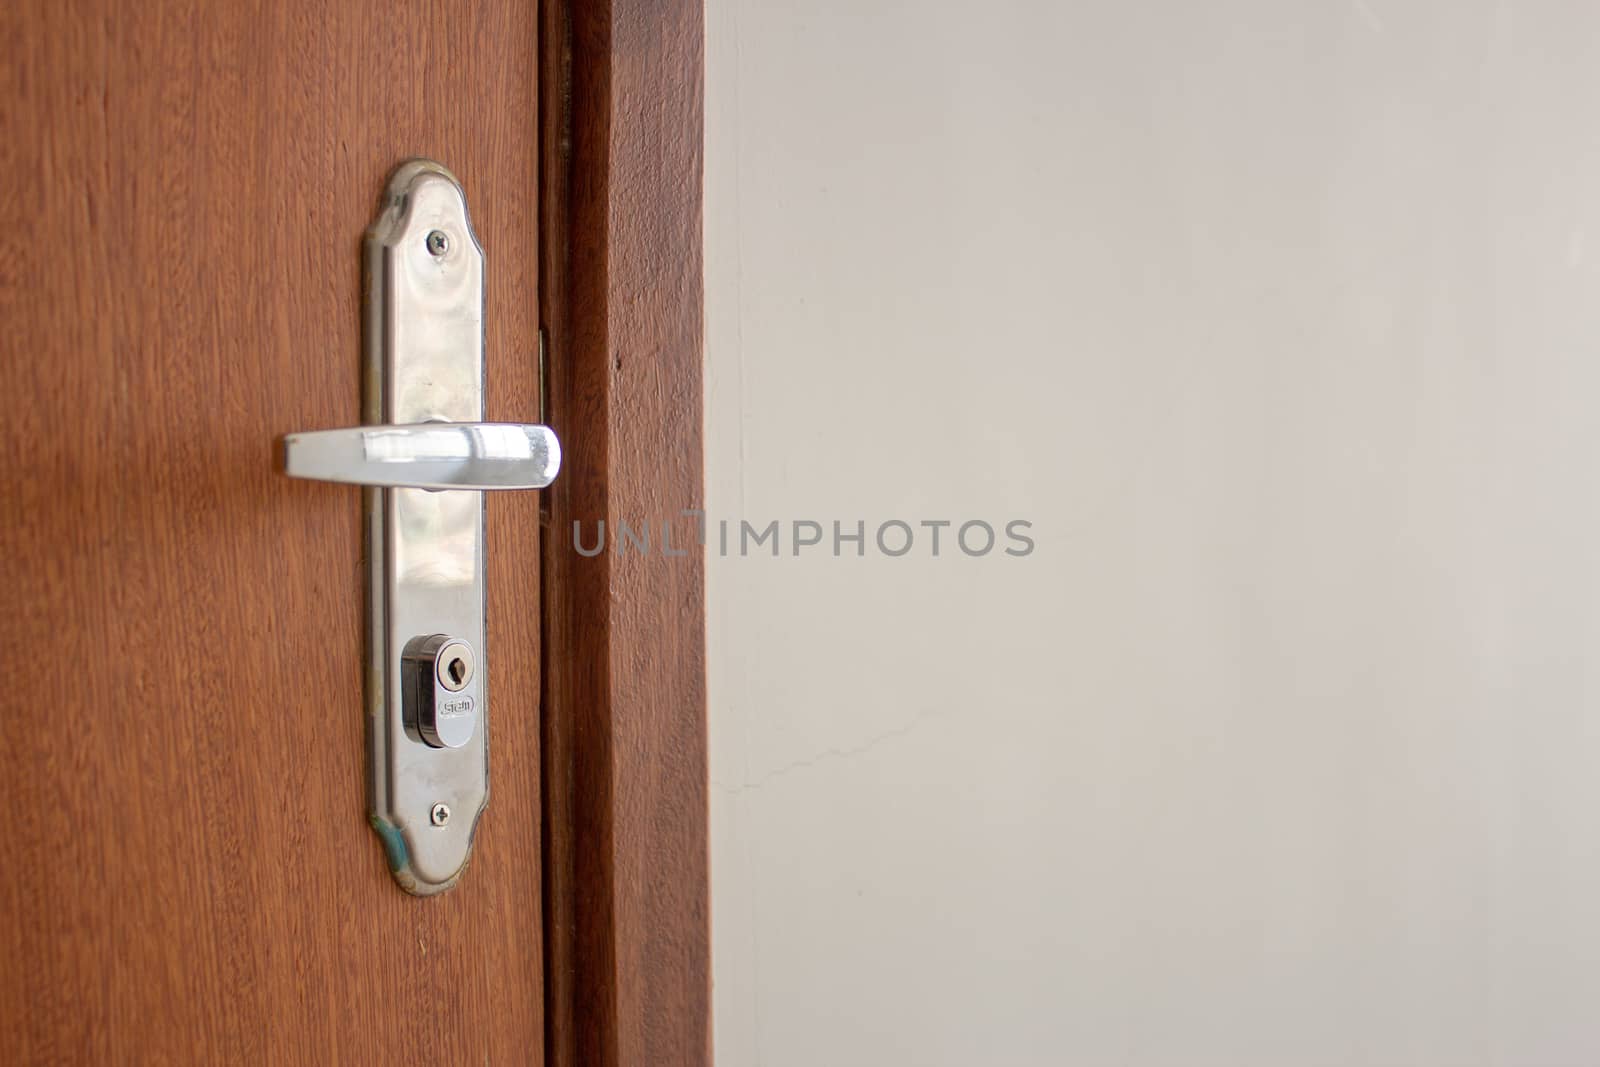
(1281, 323)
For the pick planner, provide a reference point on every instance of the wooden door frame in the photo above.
(626, 894)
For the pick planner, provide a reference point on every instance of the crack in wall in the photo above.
(828, 755)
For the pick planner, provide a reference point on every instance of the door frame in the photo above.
(623, 735)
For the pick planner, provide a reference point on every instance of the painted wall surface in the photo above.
(1279, 321)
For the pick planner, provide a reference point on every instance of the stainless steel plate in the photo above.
(424, 363)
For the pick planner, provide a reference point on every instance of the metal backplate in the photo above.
(424, 362)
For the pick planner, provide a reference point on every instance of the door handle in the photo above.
(429, 455)
(421, 455)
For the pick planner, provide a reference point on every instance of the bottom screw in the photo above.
(440, 814)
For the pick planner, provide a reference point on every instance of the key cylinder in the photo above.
(441, 702)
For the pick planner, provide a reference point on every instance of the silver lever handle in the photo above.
(427, 648)
(428, 455)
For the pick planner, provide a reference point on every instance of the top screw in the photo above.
(438, 243)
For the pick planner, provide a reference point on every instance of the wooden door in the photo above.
(191, 878)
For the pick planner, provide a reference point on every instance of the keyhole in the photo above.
(454, 667)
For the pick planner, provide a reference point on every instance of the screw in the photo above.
(438, 242)
(440, 814)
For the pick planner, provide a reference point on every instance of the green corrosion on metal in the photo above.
(394, 843)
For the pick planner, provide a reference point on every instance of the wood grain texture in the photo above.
(626, 893)
(191, 878)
